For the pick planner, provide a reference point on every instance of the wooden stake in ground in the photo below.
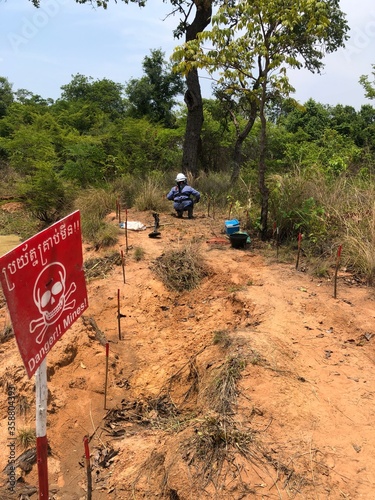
(88, 467)
(299, 249)
(41, 394)
(123, 265)
(126, 231)
(119, 212)
(277, 243)
(338, 258)
(106, 374)
(118, 314)
(275, 236)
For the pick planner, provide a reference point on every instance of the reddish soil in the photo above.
(300, 423)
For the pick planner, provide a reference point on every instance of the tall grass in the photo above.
(328, 212)
(359, 238)
(94, 205)
(215, 188)
(151, 195)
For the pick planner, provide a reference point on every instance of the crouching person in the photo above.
(183, 196)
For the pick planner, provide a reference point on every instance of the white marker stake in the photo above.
(41, 428)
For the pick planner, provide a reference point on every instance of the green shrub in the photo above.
(295, 209)
(46, 196)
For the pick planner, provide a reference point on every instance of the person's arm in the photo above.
(196, 195)
(171, 194)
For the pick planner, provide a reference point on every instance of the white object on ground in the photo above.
(133, 225)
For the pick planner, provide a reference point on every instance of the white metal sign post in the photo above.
(41, 428)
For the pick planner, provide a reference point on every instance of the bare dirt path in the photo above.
(305, 394)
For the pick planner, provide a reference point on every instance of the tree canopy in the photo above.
(367, 85)
(154, 94)
(248, 50)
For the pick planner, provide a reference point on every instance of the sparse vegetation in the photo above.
(255, 358)
(26, 438)
(181, 269)
(222, 337)
(100, 267)
(217, 438)
(150, 196)
(94, 205)
(20, 222)
(214, 450)
(138, 253)
(222, 393)
(6, 334)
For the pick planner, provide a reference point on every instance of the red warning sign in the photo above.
(44, 285)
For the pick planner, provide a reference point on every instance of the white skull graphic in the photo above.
(50, 297)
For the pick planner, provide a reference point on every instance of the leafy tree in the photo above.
(26, 97)
(6, 95)
(104, 95)
(253, 43)
(141, 146)
(368, 86)
(313, 118)
(85, 159)
(153, 95)
(45, 194)
(344, 119)
(29, 148)
(202, 11)
(365, 127)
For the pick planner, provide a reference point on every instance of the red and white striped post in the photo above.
(88, 467)
(41, 428)
(299, 248)
(106, 374)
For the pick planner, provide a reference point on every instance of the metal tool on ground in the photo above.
(155, 233)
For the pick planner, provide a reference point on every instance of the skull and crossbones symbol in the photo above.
(51, 298)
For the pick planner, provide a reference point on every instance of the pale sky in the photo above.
(40, 49)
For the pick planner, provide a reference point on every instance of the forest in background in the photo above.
(102, 141)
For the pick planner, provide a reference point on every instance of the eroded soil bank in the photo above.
(256, 384)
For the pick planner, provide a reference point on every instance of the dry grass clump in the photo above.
(222, 338)
(214, 449)
(6, 334)
(139, 254)
(26, 438)
(180, 270)
(359, 243)
(222, 392)
(101, 266)
(216, 436)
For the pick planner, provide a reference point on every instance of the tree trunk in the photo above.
(237, 154)
(193, 96)
(263, 189)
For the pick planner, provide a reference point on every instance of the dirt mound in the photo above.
(256, 383)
